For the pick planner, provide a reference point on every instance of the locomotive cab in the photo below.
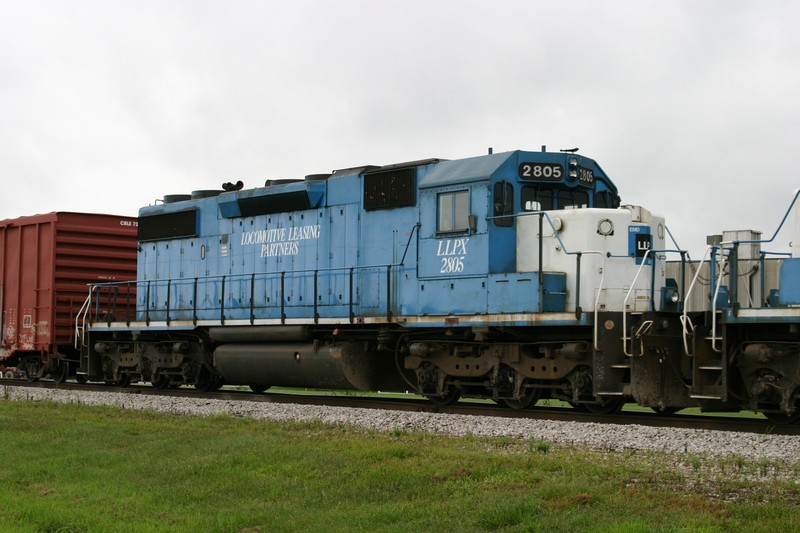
(536, 242)
(471, 212)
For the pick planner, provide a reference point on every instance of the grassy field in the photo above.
(73, 468)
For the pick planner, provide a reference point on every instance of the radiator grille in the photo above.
(390, 189)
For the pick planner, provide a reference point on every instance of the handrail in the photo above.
(597, 302)
(625, 337)
(578, 254)
(408, 243)
(714, 337)
(734, 288)
(686, 332)
(84, 310)
(546, 215)
(685, 316)
(780, 226)
(172, 288)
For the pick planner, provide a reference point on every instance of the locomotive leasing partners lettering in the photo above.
(280, 241)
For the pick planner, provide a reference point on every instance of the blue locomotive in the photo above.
(514, 276)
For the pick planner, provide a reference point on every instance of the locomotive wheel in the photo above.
(665, 411)
(123, 381)
(530, 397)
(605, 407)
(448, 398)
(782, 419)
(258, 389)
(161, 381)
(206, 386)
(208, 383)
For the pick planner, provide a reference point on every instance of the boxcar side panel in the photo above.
(90, 248)
(46, 264)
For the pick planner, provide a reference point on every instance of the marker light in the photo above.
(573, 168)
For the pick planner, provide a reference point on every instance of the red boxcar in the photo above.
(46, 263)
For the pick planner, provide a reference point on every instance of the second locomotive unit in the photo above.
(513, 276)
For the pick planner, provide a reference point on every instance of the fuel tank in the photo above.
(347, 365)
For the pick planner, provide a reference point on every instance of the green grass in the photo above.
(69, 468)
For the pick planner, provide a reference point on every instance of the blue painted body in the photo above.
(790, 282)
(334, 260)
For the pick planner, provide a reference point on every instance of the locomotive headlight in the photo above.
(573, 162)
(670, 296)
(674, 297)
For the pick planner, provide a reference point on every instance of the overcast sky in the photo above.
(692, 107)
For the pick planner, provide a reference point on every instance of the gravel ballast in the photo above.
(600, 437)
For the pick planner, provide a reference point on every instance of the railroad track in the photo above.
(687, 421)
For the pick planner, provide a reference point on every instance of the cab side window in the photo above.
(503, 204)
(453, 211)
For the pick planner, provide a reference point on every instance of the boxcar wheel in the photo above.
(32, 369)
(60, 372)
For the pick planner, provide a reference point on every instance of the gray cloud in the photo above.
(689, 106)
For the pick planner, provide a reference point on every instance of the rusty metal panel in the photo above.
(46, 263)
